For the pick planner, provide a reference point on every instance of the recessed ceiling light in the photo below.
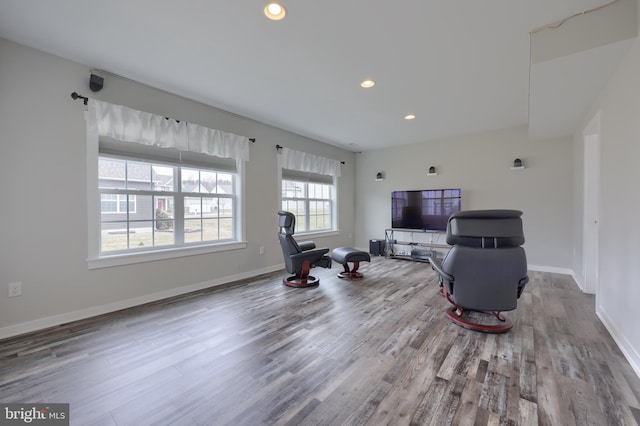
(274, 11)
(409, 116)
(368, 84)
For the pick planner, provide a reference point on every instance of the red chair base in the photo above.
(457, 319)
(302, 278)
(455, 314)
(298, 282)
(350, 274)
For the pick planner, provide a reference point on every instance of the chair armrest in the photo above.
(307, 245)
(310, 253)
(436, 265)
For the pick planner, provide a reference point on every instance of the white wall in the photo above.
(618, 294)
(43, 174)
(480, 165)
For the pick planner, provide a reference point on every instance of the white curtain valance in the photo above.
(305, 162)
(131, 125)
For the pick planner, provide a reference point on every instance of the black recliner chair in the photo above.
(486, 269)
(299, 258)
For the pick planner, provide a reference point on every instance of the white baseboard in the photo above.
(553, 269)
(557, 270)
(623, 343)
(54, 320)
(579, 279)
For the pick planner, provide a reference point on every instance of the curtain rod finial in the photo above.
(75, 95)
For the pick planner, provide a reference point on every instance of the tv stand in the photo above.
(414, 244)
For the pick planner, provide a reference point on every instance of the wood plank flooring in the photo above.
(371, 352)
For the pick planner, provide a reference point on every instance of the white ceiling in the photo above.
(462, 66)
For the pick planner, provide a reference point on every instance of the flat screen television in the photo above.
(427, 209)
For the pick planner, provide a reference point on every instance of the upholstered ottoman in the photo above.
(344, 255)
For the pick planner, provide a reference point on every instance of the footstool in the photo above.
(344, 255)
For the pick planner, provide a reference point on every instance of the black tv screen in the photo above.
(428, 209)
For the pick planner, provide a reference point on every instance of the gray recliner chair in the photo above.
(486, 269)
(299, 258)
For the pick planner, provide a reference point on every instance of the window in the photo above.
(147, 205)
(160, 188)
(312, 200)
(309, 189)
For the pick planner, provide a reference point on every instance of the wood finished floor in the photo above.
(376, 351)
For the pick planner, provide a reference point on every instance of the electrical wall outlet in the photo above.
(15, 289)
(261, 249)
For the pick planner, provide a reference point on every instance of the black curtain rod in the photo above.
(75, 95)
(279, 147)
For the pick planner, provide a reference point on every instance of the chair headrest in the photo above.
(286, 222)
(486, 228)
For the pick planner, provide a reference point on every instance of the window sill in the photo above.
(318, 234)
(151, 256)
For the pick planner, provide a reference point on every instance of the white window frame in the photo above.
(334, 207)
(96, 259)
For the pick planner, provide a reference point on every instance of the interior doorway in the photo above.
(590, 234)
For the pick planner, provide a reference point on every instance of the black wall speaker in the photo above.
(95, 83)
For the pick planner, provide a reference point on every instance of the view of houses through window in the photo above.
(312, 203)
(147, 205)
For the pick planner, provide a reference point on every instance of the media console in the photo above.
(412, 244)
